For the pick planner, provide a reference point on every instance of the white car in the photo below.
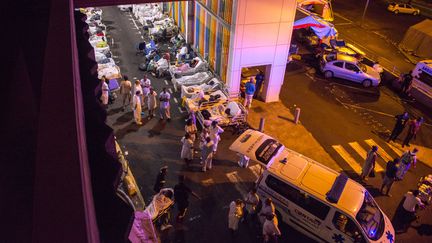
(348, 67)
(403, 8)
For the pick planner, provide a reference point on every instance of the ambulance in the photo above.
(422, 80)
(319, 202)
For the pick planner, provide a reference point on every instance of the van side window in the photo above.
(345, 225)
(307, 202)
(425, 78)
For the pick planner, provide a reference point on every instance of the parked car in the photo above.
(348, 67)
(403, 8)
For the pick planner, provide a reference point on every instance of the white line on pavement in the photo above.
(170, 90)
(348, 158)
(175, 100)
(234, 178)
(166, 82)
(380, 151)
(142, 37)
(134, 77)
(256, 170)
(112, 41)
(180, 109)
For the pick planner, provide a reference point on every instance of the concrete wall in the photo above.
(261, 35)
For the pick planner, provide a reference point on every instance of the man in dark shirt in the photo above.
(390, 175)
(401, 121)
(181, 197)
(406, 83)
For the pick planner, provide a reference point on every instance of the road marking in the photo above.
(134, 77)
(342, 17)
(256, 170)
(142, 37)
(363, 154)
(166, 82)
(347, 23)
(170, 90)
(381, 151)
(208, 182)
(175, 100)
(367, 109)
(112, 41)
(181, 111)
(395, 149)
(234, 178)
(348, 158)
(133, 20)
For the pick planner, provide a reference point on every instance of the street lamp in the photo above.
(364, 12)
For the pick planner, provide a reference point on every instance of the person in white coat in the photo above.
(105, 91)
(151, 102)
(145, 85)
(235, 213)
(161, 66)
(215, 131)
(164, 106)
(136, 107)
(270, 230)
(207, 155)
(137, 87)
(187, 149)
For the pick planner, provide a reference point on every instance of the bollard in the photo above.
(297, 115)
(261, 125)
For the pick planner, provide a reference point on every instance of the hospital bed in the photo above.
(187, 91)
(197, 78)
(230, 113)
(185, 69)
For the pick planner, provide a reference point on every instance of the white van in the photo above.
(312, 198)
(422, 80)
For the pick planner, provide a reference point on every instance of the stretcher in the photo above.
(231, 113)
(197, 78)
(161, 203)
(186, 70)
(209, 86)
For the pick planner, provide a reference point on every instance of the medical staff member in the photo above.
(105, 91)
(215, 131)
(164, 107)
(145, 85)
(136, 107)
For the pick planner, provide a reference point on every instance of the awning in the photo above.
(320, 27)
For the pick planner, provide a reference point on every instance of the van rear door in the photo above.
(257, 146)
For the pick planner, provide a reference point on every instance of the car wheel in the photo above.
(328, 74)
(367, 83)
(396, 11)
(415, 13)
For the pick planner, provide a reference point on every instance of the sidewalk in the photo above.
(278, 118)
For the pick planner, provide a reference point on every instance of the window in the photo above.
(338, 64)
(425, 78)
(370, 218)
(345, 225)
(351, 67)
(294, 195)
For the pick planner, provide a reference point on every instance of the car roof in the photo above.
(346, 58)
(317, 180)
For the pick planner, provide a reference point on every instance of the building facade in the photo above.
(236, 34)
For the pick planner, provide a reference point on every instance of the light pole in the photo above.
(364, 13)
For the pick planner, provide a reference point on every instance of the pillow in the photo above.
(234, 108)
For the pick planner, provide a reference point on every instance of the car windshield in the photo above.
(267, 150)
(362, 67)
(370, 218)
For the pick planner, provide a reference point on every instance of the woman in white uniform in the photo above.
(187, 149)
(136, 107)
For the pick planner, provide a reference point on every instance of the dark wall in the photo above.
(58, 170)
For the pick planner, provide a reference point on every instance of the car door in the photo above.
(409, 9)
(405, 9)
(353, 72)
(341, 228)
(338, 69)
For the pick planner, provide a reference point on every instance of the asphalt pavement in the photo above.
(337, 114)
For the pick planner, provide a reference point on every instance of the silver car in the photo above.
(348, 67)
